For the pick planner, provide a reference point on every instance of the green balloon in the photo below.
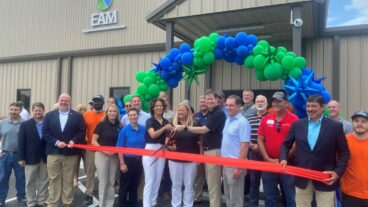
(142, 89)
(213, 36)
(272, 49)
(248, 62)
(288, 62)
(282, 49)
(148, 81)
(127, 98)
(284, 77)
(260, 75)
(300, 62)
(196, 43)
(258, 49)
(273, 71)
(145, 106)
(291, 54)
(295, 73)
(204, 44)
(198, 62)
(280, 56)
(148, 97)
(140, 75)
(153, 75)
(259, 61)
(263, 43)
(164, 86)
(154, 90)
(208, 58)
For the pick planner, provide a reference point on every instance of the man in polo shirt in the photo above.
(220, 100)
(143, 116)
(212, 136)
(334, 113)
(255, 175)
(9, 129)
(91, 119)
(235, 144)
(248, 107)
(272, 131)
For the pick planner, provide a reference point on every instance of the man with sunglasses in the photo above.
(272, 132)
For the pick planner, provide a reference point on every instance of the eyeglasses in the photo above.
(128, 106)
(278, 126)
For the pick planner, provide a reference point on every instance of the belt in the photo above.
(209, 148)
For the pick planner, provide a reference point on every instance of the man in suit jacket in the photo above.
(62, 128)
(320, 145)
(31, 154)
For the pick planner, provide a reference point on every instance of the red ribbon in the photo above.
(231, 162)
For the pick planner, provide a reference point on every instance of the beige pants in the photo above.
(213, 177)
(323, 198)
(233, 187)
(36, 184)
(199, 181)
(90, 168)
(60, 170)
(106, 171)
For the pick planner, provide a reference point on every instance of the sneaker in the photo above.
(22, 200)
(88, 200)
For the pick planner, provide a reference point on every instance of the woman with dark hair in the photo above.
(183, 172)
(157, 127)
(132, 136)
(106, 134)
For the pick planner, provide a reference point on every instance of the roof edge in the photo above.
(162, 9)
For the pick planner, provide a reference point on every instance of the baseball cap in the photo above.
(360, 113)
(279, 95)
(219, 94)
(99, 97)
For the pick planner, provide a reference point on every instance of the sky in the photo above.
(347, 12)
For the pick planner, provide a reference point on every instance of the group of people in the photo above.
(41, 151)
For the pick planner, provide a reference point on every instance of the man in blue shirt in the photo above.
(235, 144)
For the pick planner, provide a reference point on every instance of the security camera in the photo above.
(298, 22)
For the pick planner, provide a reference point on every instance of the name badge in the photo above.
(270, 121)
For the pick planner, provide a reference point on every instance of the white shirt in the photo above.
(63, 117)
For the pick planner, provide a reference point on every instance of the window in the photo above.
(24, 95)
(120, 92)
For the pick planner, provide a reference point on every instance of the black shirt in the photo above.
(153, 123)
(215, 123)
(108, 133)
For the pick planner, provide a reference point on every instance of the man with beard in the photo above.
(32, 155)
(91, 119)
(320, 145)
(255, 175)
(354, 182)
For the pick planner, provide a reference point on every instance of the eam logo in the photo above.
(103, 4)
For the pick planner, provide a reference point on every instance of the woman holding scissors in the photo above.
(183, 171)
(157, 127)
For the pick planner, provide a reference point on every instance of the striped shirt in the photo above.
(254, 121)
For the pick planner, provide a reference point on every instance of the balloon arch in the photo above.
(270, 63)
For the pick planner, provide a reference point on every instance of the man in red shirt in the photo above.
(272, 132)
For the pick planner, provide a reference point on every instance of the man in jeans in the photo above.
(9, 129)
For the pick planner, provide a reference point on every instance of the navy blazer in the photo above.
(74, 130)
(331, 152)
(31, 148)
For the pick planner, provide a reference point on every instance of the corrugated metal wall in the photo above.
(39, 76)
(196, 7)
(39, 26)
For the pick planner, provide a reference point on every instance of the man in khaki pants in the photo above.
(212, 136)
(31, 152)
(61, 129)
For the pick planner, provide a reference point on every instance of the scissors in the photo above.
(164, 147)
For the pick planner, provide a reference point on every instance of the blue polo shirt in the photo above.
(236, 130)
(313, 131)
(132, 138)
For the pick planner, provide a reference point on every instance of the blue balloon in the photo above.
(230, 43)
(229, 58)
(185, 47)
(218, 54)
(165, 63)
(241, 38)
(220, 42)
(242, 51)
(250, 49)
(326, 96)
(239, 60)
(187, 58)
(173, 53)
(252, 39)
(172, 83)
(164, 75)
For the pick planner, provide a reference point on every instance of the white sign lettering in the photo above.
(104, 18)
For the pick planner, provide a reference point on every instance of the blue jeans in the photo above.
(9, 161)
(270, 183)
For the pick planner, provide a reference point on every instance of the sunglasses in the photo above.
(278, 126)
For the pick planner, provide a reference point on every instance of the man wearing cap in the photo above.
(320, 145)
(354, 182)
(249, 106)
(272, 131)
(334, 113)
(91, 119)
(220, 100)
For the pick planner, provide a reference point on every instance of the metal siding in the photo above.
(36, 26)
(39, 76)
